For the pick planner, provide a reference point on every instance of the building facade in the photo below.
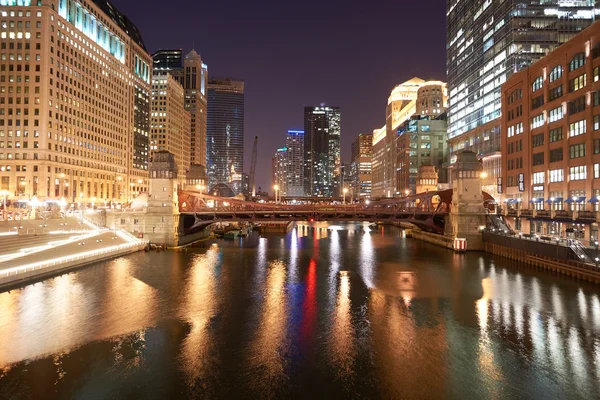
(280, 170)
(170, 129)
(225, 133)
(167, 60)
(294, 143)
(322, 130)
(361, 164)
(74, 102)
(414, 98)
(421, 141)
(486, 43)
(192, 75)
(551, 143)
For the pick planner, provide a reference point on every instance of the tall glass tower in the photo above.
(225, 133)
(321, 150)
(487, 41)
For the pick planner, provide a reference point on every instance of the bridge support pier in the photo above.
(467, 212)
(161, 225)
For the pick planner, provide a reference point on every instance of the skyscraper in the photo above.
(294, 143)
(321, 150)
(487, 42)
(225, 132)
(170, 129)
(361, 162)
(167, 60)
(280, 168)
(81, 132)
(192, 74)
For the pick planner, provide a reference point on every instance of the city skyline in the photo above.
(289, 71)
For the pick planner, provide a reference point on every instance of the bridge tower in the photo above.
(162, 214)
(467, 212)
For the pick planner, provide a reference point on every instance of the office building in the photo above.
(415, 98)
(361, 164)
(170, 129)
(551, 144)
(321, 150)
(75, 122)
(167, 61)
(486, 43)
(280, 169)
(421, 141)
(192, 74)
(225, 132)
(294, 143)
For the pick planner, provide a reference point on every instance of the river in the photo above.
(327, 311)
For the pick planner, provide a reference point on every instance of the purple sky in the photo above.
(296, 53)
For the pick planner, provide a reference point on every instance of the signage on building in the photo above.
(521, 181)
(499, 184)
(539, 188)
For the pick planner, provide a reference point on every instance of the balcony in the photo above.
(527, 213)
(563, 214)
(587, 215)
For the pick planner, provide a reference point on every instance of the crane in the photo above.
(251, 178)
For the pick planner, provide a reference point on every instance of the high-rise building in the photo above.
(192, 74)
(167, 60)
(421, 141)
(280, 168)
(416, 97)
(294, 142)
(361, 164)
(170, 129)
(77, 125)
(487, 42)
(322, 128)
(225, 132)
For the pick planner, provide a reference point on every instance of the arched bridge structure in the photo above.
(428, 211)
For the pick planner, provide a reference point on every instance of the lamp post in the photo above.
(276, 188)
(344, 192)
(4, 194)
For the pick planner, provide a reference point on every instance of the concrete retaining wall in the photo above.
(46, 271)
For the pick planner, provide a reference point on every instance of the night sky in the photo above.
(296, 53)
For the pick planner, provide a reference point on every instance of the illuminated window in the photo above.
(556, 73)
(577, 61)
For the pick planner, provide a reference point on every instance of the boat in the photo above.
(232, 235)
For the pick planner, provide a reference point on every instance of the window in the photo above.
(556, 155)
(537, 140)
(577, 61)
(596, 98)
(538, 178)
(577, 83)
(596, 146)
(537, 121)
(555, 93)
(557, 175)
(510, 132)
(578, 173)
(556, 114)
(537, 102)
(555, 134)
(537, 84)
(519, 128)
(596, 171)
(577, 128)
(556, 73)
(538, 159)
(577, 150)
(577, 105)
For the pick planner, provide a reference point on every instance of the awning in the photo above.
(554, 200)
(576, 199)
(537, 200)
(594, 199)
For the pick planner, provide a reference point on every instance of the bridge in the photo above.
(428, 211)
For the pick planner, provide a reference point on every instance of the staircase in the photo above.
(580, 251)
(499, 223)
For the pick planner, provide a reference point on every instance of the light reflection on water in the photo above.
(326, 311)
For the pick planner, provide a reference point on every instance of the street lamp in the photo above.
(407, 192)
(276, 188)
(345, 191)
(484, 175)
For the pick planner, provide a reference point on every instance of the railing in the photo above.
(68, 259)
